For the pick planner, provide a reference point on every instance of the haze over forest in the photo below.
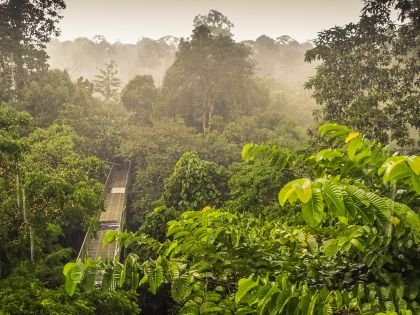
(279, 58)
(210, 157)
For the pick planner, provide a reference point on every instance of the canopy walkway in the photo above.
(113, 218)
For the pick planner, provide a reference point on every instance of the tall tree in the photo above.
(107, 83)
(216, 22)
(212, 75)
(369, 78)
(139, 96)
(25, 27)
(46, 94)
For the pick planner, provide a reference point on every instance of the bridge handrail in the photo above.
(123, 213)
(117, 250)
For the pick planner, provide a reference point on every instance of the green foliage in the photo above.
(207, 252)
(253, 188)
(25, 28)
(49, 189)
(98, 125)
(14, 123)
(195, 183)
(55, 168)
(216, 22)
(211, 75)
(278, 157)
(30, 289)
(313, 210)
(139, 96)
(155, 221)
(368, 78)
(356, 254)
(36, 289)
(154, 151)
(103, 302)
(107, 83)
(46, 94)
(283, 297)
(297, 189)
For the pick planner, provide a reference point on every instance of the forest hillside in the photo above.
(207, 175)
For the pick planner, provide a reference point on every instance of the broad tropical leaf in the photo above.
(313, 210)
(297, 189)
(333, 197)
(414, 163)
(156, 278)
(181, 288)
(244, 286)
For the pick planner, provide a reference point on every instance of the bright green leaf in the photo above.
(351, 136)
(414, 163)
(313, 211)
(244, 286)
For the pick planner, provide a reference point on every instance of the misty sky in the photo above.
(129, 20)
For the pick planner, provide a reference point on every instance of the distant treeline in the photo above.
(281, 58)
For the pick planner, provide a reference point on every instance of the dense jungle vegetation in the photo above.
(239, 202)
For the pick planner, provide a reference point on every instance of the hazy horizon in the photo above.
(133, 20)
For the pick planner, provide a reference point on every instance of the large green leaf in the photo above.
(296, 189)
(327, 154)
(395, 168)
(327, 310)
(313, 211)
(246, 150)
(330, 247)
(173, 245)
(360, 203)
(334, 198)
(356, 243)
(414, 163)
(312, 304)
(287, 193)
(89, 273)
(380, 204)
(304, 190)
(181, 288)
(415, 182)
(278, 157)
(265, 299)
(352, 135)
(110, 236)
(354, 146)
(156, 278)
(334, 131)
(244, 286)
(282, 300)
(73, 273)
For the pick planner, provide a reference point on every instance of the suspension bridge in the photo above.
(112, 219)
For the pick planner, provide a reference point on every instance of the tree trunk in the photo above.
(210, 115)
(18, 189)
(31, 231)
(204, 124)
